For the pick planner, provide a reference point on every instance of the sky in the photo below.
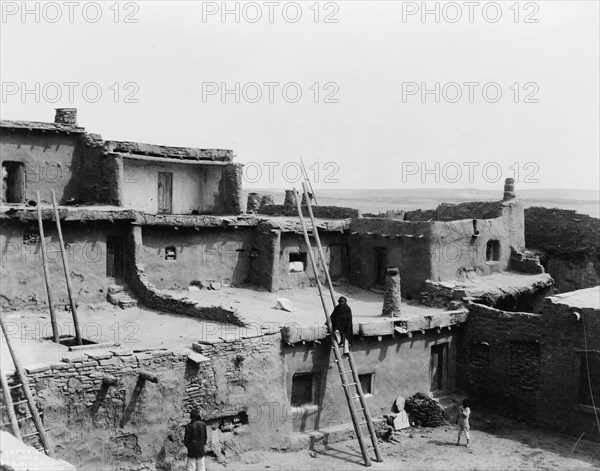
(377, 94)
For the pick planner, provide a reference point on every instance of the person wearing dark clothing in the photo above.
(194, 440)
(341, 323)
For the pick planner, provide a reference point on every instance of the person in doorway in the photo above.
(341, 323)
(462, 419)
(195, 440)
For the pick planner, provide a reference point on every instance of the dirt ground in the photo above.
(497, 443)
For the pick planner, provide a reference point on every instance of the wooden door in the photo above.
(165, 192)
(114, 256)
(437, 366)
(335, 261)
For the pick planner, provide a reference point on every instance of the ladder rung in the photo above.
(356, 397)
(359, 409)
(351, 384)
(14, 403)
(30, 434)
(15, 386)
(24, 418)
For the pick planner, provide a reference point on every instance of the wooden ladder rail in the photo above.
(361, 396)
(55, 334)
(39, 426)
(65, 262)
(307, 180)
(336, 350)
(14, 423)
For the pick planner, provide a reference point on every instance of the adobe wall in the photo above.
(22, 274)
(195, 187)
(527, 365)
(50, 160)
(209, 254)
(136, 423)
(294, 243)
(401, 366)
(569, 244)
(408, 247)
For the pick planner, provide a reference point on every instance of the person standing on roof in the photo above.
(341, 323)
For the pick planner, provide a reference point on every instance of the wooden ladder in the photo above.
(352, 389)
(23, 384)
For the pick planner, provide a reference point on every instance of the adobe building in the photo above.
(160, 232)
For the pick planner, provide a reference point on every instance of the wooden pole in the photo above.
(14, 424)
(78, 340)
(319, 246)
(25, 386)
(55, 334)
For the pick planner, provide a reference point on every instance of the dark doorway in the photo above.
(114, 256)
(336, 260)
(165, 192)
(381, 264)
(13, 182)
(437, 366)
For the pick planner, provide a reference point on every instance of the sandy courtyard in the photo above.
(498, 443)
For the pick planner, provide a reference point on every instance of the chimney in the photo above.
(509, 189)
(66, 117)
(391, 297)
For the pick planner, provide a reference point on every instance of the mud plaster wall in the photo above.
(208, 254)
(530, 366)
(401, 366)
(408, 247)
(124, 426)
(231, 188)
(22, 269)
(50, 161)
(294, 243)
(569, 242)
(195, 187)
(264, 259)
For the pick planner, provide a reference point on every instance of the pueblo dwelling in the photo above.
(163, 234)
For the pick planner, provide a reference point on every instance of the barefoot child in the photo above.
(462, 419)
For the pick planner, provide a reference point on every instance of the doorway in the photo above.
(381, 265)
(336, 260)
(165, 192)
(13, 182)
(114, 256)
(438, 366)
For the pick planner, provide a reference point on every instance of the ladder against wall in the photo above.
(359, 411)
(29, 427)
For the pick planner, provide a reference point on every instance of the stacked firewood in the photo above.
(422, 410)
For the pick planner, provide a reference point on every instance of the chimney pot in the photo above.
(66, 117)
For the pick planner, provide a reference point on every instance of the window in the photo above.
(13, 182)
(165, 192)
(170, 253)
(297, 262)
(492, 251)
(588, 393)
(366, 382)
(302, 389)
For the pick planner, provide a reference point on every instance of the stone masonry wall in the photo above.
(569, 245)
(528, 365)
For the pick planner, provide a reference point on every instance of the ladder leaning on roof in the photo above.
(10, 405)
(352, 389)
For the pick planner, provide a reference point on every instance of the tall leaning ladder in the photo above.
(352, 389)
(10, 405)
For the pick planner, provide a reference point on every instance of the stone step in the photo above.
(123, 298)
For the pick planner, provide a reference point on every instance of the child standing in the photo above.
(462, 419)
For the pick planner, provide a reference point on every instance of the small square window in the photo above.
(366, 382)
(297, 262)
(170, 253)
(492, 251)
(302, 389)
